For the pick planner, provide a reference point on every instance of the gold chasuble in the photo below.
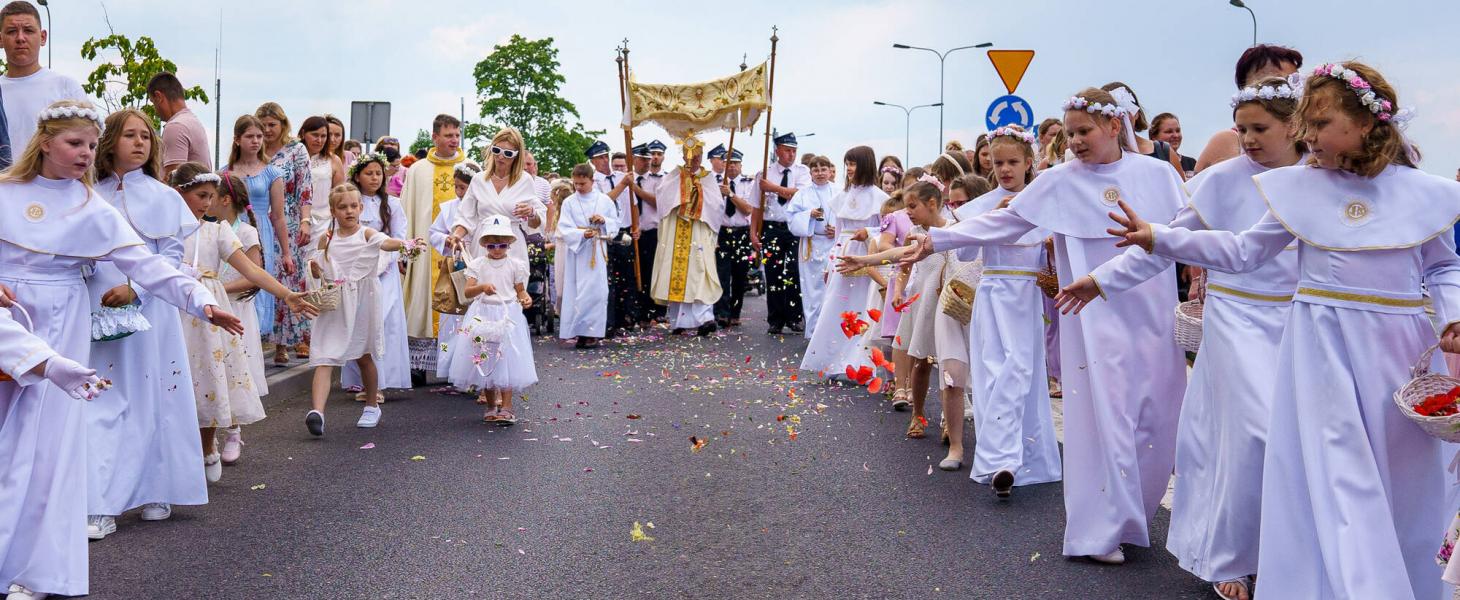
(684, 264)
(428, 183)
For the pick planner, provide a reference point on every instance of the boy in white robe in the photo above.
(807, 219)
(586, 219)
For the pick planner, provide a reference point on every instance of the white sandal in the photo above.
(900, 400)
(1245, 582)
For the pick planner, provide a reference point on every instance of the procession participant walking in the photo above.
(734, 256)
(646, 189)
(684, 279)
(265, 193)
(288, 155)
(492, 352)
(775, 243)
(428, 183)
(809, 218)
(384, 213)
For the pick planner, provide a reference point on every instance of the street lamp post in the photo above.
(1243, 5)
(47, 5)
(907, 125)
(942, 57)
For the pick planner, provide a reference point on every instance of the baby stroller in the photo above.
(540, 317)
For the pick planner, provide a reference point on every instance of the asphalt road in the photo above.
(436, 504)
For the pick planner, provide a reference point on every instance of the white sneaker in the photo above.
(370, 417)
(1114, 557)
(100, 526)
(213, 467)
(157, 511)
(19, 592)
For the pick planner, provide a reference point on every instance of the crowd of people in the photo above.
(1032, 265)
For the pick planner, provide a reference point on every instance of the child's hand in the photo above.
(589, 234)
(1133, 230)
(488, 289)
(315, 270)
(1005, 202)
(524, 299)
(850, 264)
(1074, 297)
(1450, 341)
(296, 303)
(922, 248)
(596, 219)
(817, 214)
(830, 231)
(223, 319)
(121, 295)
(860, 235)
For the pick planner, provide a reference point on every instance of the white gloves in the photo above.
(79, 381)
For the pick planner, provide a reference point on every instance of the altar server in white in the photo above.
(1353, 493)
(809, 218)
(384, 213)
(1124, 375)
(584, 224)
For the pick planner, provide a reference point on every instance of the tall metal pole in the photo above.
(218, 96)
(942, 59)
(1243, 5)
(907, 125)
(757, 217)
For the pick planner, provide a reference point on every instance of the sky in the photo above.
(833, 60)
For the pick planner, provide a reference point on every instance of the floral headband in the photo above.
(202, 178)
(467, 168)
(1292, 90)
(1081, 103)
(892, 169)
(1018, 134)
(71, 112)
(1124, 108)
(1382, 108)
(366, 160)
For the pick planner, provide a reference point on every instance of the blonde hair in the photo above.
(949, 166)
(1383, 145)
(1281, 109)
(272, 110)
(337, 194)
(111, 135)
(1097, 95)
(893, 203)
(28, 164)
(1054, 151)
(512, 136)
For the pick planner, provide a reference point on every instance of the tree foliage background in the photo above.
(518, 86)
(122, 82)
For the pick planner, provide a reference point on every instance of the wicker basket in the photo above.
(325, 297)
(956, 300)
(1423, 385)
(1188, 325)
(1048, 278)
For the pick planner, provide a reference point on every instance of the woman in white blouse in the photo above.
(502, 190)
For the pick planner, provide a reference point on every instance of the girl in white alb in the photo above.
(347, 259)
(52, 226)
(1223, 429)
(1015, 442)
(223, 380)
(582, 232)
(1123, 374)
(492, 351)
(385, 214)
(142, 445)
(1353, 493)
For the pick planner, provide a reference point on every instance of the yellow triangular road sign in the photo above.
(1011, 65)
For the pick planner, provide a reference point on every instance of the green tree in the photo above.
(122, 82)
(518, 86)
(423, 141)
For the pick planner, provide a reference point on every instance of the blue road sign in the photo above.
(1009, 110)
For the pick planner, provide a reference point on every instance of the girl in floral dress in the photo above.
(290, 157)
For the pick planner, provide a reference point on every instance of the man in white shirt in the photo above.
(646, 186)
(733, 255)
(775, 242)
(27, 88)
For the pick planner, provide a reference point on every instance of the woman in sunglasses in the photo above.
(500, 190)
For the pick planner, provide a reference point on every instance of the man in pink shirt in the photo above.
(183, 136)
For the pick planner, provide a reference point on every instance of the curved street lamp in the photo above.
(942, 57)
(907, 125)
(1243, 5)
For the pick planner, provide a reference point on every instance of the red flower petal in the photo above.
(875, 314)
(875, 386)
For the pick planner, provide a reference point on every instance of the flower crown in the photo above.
(364, 161)
(1382, 108)
(1018, 134)
(467, 168)
(70, 112)
(1081, 103)
(202, 178)
(1293, 90)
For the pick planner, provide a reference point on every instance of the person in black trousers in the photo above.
(775, 242)
(733, 255)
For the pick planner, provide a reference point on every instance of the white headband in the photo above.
(70, 112)
(1292, 90)
(202, 178)
(1124, 108)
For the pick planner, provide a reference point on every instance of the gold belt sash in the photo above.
(1011, 273)
(1222, 289)
(1362, 298)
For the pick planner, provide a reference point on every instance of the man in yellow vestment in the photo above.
(685, 279)
(428, 183)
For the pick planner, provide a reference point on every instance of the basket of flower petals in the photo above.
(1431, 400)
